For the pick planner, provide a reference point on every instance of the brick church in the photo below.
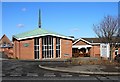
(42, 44)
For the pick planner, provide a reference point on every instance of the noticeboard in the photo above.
(104, 50)
(26, 44)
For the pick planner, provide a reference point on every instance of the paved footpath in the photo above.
(85, 69)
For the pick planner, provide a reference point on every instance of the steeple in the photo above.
(39, 20)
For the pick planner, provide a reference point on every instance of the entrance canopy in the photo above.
(81, 46)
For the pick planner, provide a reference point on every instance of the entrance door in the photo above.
(36, 48)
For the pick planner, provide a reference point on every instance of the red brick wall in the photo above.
(1, 49)
(22, 52)
(66, 48)
(40, 42)
(8, 52)
(95, 51)
(81, 43)
(27, 52)
(54, 44)
(16, 49)
(118, 50)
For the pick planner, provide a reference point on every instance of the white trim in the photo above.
(44, 35)
(60, 48)
(46, 58)
(76, 41)
(53, 48)
(37, 49)
(85, 41)
(95, 43)
(46, 55)
(104, 50)
(59, 55)
(81, 46)
(82, 40)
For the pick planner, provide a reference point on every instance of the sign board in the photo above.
(104, 50)
(26, 44)
(66, 54)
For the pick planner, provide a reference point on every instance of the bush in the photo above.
(90, 61)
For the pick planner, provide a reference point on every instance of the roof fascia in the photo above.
(44, 35)
(82, 40)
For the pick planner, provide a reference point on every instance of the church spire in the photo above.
(39, 20)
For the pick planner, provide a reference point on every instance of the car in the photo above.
(117, 58)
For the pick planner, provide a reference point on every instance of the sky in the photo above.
(60, 0)
(67, 18)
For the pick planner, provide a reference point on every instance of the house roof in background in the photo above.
(98, 40)
(5, 39)
(93, 40)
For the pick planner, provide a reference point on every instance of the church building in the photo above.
(42, 44)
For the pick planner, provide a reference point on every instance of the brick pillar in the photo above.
(17, 49)
(92, 51)
(118, 50)
(54, 47)
(14, 50)
(40, 52)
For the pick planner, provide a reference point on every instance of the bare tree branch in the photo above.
(108, 30)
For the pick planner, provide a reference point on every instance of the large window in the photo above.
(57, 47)
(47, 47)
(36, 48)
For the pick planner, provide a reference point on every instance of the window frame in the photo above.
(47, 47)
(58, 47)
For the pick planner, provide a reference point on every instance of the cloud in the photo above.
(20, 25)
(24, 9)
(74, 29)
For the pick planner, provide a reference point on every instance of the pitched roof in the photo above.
(98, 40)
(94, 40)
(37, 33)
(5, 39)
(80, 39)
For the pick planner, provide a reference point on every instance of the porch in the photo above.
(81, 50)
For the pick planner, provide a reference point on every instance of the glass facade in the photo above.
(57, 47)
(36, 48)
(47, 47)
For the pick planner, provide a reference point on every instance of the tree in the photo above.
(107, 31)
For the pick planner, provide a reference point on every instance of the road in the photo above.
(29, 70)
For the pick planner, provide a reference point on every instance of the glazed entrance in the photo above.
(82, 52)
